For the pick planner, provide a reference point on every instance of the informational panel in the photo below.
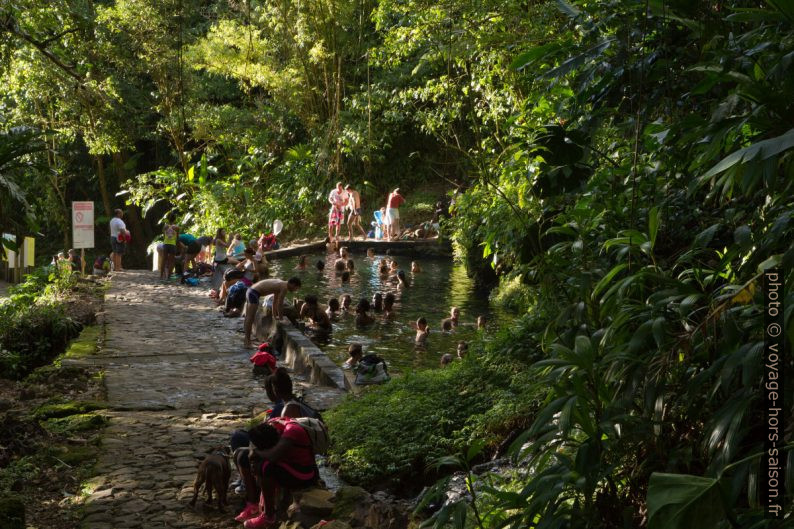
(9, 255)
(30, 251)
(83, 224)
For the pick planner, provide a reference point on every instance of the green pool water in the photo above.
(439, 286)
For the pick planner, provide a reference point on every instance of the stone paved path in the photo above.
(178, 384)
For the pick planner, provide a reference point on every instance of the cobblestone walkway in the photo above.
(178, 384)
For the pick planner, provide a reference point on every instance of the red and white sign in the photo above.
(83, 224)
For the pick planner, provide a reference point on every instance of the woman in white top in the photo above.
(220, 247)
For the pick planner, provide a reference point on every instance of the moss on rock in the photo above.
(76, 423)
(64, 409)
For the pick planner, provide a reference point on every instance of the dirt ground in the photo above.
(43, 463)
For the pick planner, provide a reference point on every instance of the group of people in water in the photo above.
(248, 282)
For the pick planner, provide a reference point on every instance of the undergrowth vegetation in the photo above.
(34, 324)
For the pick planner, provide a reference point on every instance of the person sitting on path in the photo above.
(370, 253)
(383, 269)
(283, 459)
(362, 313)
(354, 218)
(278, 288)
(279, 389)
(236, 250)
(415, 268)
(245, 271)
(338, 198)
(393, 204)
(340, 265)
(119, 248)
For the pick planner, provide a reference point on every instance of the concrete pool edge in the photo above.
(421, 247)
(299, 353)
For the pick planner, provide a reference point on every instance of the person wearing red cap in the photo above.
(264, 362)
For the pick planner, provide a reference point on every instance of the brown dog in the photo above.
(213, 472)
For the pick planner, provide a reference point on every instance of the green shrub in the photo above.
(512, 294)
(388, 436)
(31, 336)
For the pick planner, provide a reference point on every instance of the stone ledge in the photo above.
(419, 247)
(298, 352)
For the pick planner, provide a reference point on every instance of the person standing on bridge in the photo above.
(393, 204)
(354, 218)
(278, 288)
(118, 248)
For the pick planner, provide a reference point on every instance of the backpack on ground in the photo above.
(371, 370)
(317, 432)
(306, 410)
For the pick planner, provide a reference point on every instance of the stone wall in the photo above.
(298, 352)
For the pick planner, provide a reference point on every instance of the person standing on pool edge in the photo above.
(393, 204)
(278, 288)
(338, 198)
(118, 248)
(354, 206)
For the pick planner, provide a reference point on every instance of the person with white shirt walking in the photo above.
(119, 247)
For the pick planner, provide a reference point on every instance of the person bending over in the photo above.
(278, 288)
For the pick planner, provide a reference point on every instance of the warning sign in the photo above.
(83, 224)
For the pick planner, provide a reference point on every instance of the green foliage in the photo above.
(512, 294)
(34, 327)
(431, 409)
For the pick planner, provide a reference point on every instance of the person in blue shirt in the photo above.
(189, 247)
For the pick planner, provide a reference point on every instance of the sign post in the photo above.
(83, 228)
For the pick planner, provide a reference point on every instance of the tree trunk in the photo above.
(103, 186)
(141, 234)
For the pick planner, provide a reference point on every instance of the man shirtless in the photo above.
(354, 218)
(266, 287)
